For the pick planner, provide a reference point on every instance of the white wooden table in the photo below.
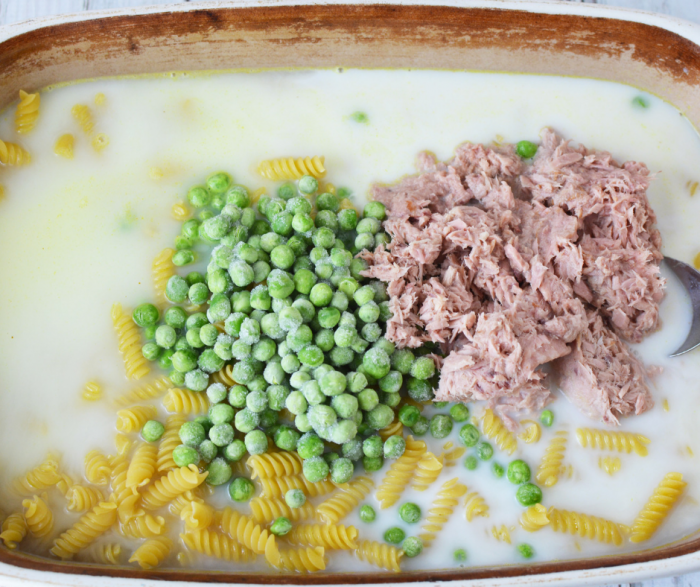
(19, 10)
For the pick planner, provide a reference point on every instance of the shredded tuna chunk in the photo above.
(511, 267)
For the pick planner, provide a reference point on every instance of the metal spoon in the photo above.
(691, 280)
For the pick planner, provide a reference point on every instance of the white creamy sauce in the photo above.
(78, 235)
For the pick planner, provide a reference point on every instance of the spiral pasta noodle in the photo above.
(393, 429)
(255, 196)
(274, 465)
(162, 270)
(144, 392)
(657, 508)
(64, 146)
(14, 530)
(534, 518)
(225, 376)
(14, 155)
(97, 468)
(38, 515)
(92, 391)
(108, 554)
(145, 526)
(127, 501)
(329, 188)
(152, 552)
(495, 429)
(532, 432)
(302, 560)
(610, 465)
(184, 401)
(330, 536)
(168, 443)
(129, 343)
(217, 545)
(27, 111)
(278, 486)
(441, 509)
(609, 440)
(551, 464)
(123, 444)
(346, 204)
(142, 466)
(99, 142)
(82, 498)
(502, 533)
(183, 500)
(43, 476)
(83, 116)
(586, 526)
(180, 212)
(100, 99)
(400, 473)
(267, 510)
(380, 555)
(248, 533)
(64, 484)
(345, 500)
(197, 515)
(84, 532)
(132, 419)
(290, 168)
(167, 488)
(475, 505)
(452, 454)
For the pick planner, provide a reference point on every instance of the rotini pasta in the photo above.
(266, 510)
(167, 488)
(127, 501)
(609, 440)
(657, 508)
(346, 204)
(142, 466)
(129, 343)
(132, 419)
(163, 269)
(610, 465)
(123, 444)
(14, 530)
(441, 509)
(27, 111)
(186, 558)
(83, 116)
(99, 142)
(532, 432)
(290, 168)
(180, 212)
(65, 146)
(92, 525)
(197, 515)
(494, 428)
(302, 560)
(380, 555)
(329, 188)
(502, 533)
(393, 429)
(152, 552)
(224, 376)
(92, 391)
(278, 486)
(41, 477)
(475, 505)
(64, 484)
(217, 545)
(146, 526)
(82, 498)
(330, 537)
(586, 526)
(14, 155)
(255, 196)
(550, 466)
(534, 518)
(38, 515)
(184, 401)
(400, 473)
(107, 554)
(452, 454)
(244, 530)
(144, 392)
(274, 465)
(176, 506)
(345, 500)
(100, 99)
(97, 468)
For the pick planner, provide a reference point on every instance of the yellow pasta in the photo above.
(127, 501)
(248, 533)
(38, 515)
(328, 188)
(267, 510)
(162, 270)
(92, 391)
(609, 440)
(142, 466)
(152, 552)
(197, 515)
(64, 484)
(475, 505)
(177, 505)
(224, 376)
(217, 545)
(184, 401)
(657, 508)
(132, 419)
(346, 204)
(123, 444)
(167, 488)
(129, 343)
(400, 473)
(82, 498)
(90, 527)
(610, 465)
(290, 168)
(99, 142)
(100, 99)
(586, 526)
(169, 442)
(345, 500)
(186, 558)
(255, 196)
(330, 537)
(180, 211)
(64, 147)
(145, 526)
(278, 486)
(502, 533)
(532, 432)
(380, 555)
(2, 192)
(11, 154)
(494, 428)
(97, 468)
(274, 465)
(144, 392)
(302, 560)
(393, 429)
(452, 454)
(83, 116)
(108, 554)
(41, 477)
(27, 111)
(441, 509)
(551, 464)
(14, 530)
(534, 518)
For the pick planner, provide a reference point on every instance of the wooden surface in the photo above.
(19, 10)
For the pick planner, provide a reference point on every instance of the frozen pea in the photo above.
(333, 383)
(256, 442)
(394, 535)
(321, 294)
(528, 494)
(264, 350)
(183, 257)
(184, 456)
(347, 219)
(221, 413)
(484, 451)
(497, 470)
(380, 417)
(372, 464)
(250, 331)
(356, 382)
(256, 401)
(371, 332)
(269, 325)
(243, 371)
(315, 469)
(295, 498)
(290, 363)
(410, 513)
(547, 418)
(412, 546)
(469, 435)
(166, 336)
(302, 423)
(419, 390)
(276, 395)
(376, 362)
(177, 378)
(268, 420)
(281, 526)
(391, 382)
(237, 396)
(221, 434)
(240, 303)
(208, 334)
(408, 415)
(394, 447)
(279, 284)
(324, 340)
(471, 462)
(321, 370)
(235, 451)
(440, 426)
(343, 431)
(219, 182)
(352, 449)
(282, 257)
(386, 345)
(321, 416)
(241, 489)
(345, 405)
(310, 445)
(196, 380)
(373, 447)
(296, 403)
(311, 355)
(368, 399)
(245, 420)
(423, 368)
(274, 373)
(241, 351)
(421, 426)
(518, 472)
(342, 470)
(152, 431)
(308, 185)
(210, 362)
(219, 472)
(151, 351)
(312, 392)
(286, 438)
(367, 514)
(340, 300)
(374, 210)
(145, 315)
(526, 551)
(459, 413)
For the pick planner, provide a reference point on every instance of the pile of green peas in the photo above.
(303, 329)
